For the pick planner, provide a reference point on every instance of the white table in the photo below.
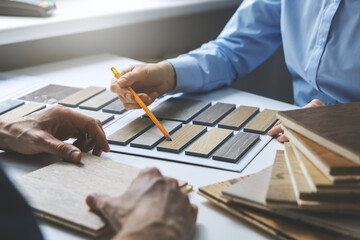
(212, 223)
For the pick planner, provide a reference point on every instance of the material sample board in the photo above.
(209, 142)
(81, 96)
(154, 136)
(101, 116)
(50, 94)
(213, 114)
(181, 138)
(115, 107)
(129, 132)
(9, 104)
(97, 102)
(238, 118)
(321, 125)
(237, 146)
(23, 110)
(262, 122)
(180, 109)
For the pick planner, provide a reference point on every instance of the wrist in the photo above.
(169, 74)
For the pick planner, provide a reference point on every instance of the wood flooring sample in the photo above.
(237, 118)
(321, 125)
(236, 147)
(130, 131)
(101, 116)
(9, 104)
(252, 188)
(81, 96)
(262, 122)
(329, 162)
(280, 189)
(115, 107)
(180, 109)
(23, 110)
(97, 102)
(213, 114)
(50, 94)
(182, 138)
(60, 189)
(209, 142)
(154, 136)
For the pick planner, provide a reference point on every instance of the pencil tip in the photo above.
(168, 137)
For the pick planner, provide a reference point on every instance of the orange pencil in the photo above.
(143, 106)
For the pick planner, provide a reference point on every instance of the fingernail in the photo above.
(90, 200)
(75, 156)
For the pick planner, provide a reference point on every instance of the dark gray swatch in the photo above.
(115, 107)
(9, 104)
(214, 114)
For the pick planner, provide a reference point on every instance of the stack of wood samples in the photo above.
(245, 197)
(58, 191)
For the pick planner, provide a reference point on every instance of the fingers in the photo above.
(314, 103)
(282, 138)
(64, 150)
(274, 131)
(99, 203)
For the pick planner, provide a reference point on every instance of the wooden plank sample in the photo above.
(209, 142)
(81, 96)
(280, 189)
(50, 94)
(238, 118)
(115, 107)
(318, 181)
(22, 111)
(181, 138)
(236, 147)
(321, 125)
(214, 114)
(102, 117)
(154, 136)
(9, 104)
(60, 189)
(130, 131)
(180, 109)
(329, 162)
(262, 122)
(98, 101)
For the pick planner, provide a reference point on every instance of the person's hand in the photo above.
(149, 81)
(276, 130)
(44, 131)
(152, 208)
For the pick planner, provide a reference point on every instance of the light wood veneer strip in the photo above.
(262, 122)
(98, 101)
(238, 118)
(81, 96)
(23, 110)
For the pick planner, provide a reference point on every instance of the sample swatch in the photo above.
(209, 142)
(237, 118)
(213, 114)
(262, 122)
(102, 117)
(130, 131)
(180, 109)
(50, 94)
(81, 96)
(236, 147)
(115, 107)
(182, 138)
(9, 104)
(23, 110)
(154, 136)
(97, 102)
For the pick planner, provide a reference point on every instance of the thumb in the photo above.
(126, 80)
(97, 202)
(64, 150)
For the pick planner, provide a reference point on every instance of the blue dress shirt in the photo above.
(321, 41)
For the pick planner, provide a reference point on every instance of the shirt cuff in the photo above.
(188, 74)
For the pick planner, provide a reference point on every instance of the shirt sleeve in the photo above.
(249, 38)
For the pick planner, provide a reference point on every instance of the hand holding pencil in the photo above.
(149, 81)
(143, 106)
